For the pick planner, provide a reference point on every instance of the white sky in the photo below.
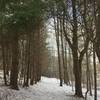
(51, 35)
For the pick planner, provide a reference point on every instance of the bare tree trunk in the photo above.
(88, 76)
(57, 41)
(97, 22)
(71, 69)
(63, 53)
(27, 55)
(28, 63)
(4, 61)
(89, 87)
(95, 73)
(67, 81)
(76, 65)
(15, 61)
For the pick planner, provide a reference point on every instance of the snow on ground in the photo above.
(47, 89)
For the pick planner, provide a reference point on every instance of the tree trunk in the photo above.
(76, 65)
(95, 73)
(66, 74)
(58, 49)
(97, 30)
(63, 54)
(77, 73)
(4, 62)
(28, 63)
(15, 61)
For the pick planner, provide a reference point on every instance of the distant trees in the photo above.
(23, 37)
(23, 41)
(77, 21)
(77, 60)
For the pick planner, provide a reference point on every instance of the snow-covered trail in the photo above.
(47, 89)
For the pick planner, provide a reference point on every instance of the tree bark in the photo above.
(76, 65)
(95, 73)
(57, 41)
(4, 61)
(97, 29)
(15, 61)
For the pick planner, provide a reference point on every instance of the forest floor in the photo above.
(47, 89)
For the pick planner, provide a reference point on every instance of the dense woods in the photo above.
(24, 47)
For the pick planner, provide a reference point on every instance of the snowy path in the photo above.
(47, 89)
